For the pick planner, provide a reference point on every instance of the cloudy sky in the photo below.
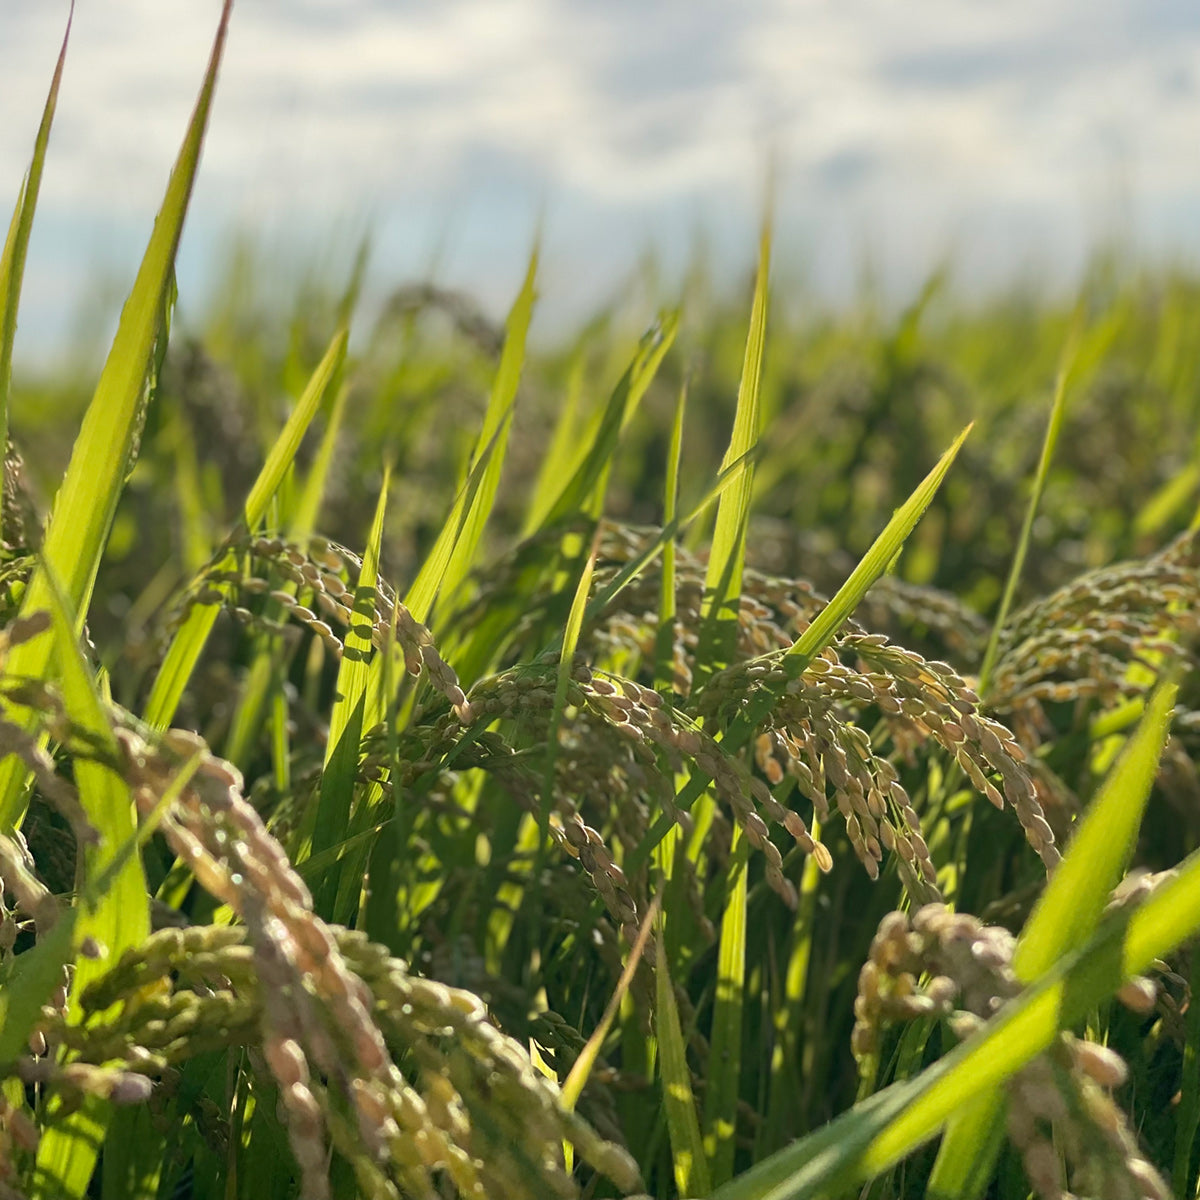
(1010, 135)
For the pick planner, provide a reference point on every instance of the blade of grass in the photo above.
(476, 498)
(560, 454)
(664, 644)
(727, 555)
(566, 660)
(28, 982)
(283, 451)
(87, 499)
(120, 917)
(16, 244)
(876, 1134)
(718, 632)
(784, 1075)
(1072, 904)
(683, 1125)
(582, 494)
(493, 437)
(725, 1062)
(1067, 915)
(430, 578)
(577, 1078)
(346, 721)
(263, 681)
(885, 547)
(304, 519)
(580, 491)
(1058, 410)
(114, 906)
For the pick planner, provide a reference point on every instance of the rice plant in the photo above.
(604, 772)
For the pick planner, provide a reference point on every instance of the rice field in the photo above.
(751, 756)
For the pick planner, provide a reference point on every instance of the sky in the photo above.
(1008, 137)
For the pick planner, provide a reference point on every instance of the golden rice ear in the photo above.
(936, 963)
(1092, 640)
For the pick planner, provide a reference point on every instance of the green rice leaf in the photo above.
(114, 908)
(885, 548)
(493, 437)
(28, 981)
(304, 519)
(115, 905)
(662, 541)
(458, 541)
(721, 1100)
(875, 1135)
(106, 445)
(16, 244)
(574, 1083)
(584, 491)
(1075, 897)
(664, 643)
(431, 576)
(683, 1125)
(1057, 412)
(346, 721)
(566, 659)
(283, 452)
(727, 555)
(561, 454)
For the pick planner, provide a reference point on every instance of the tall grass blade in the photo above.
(663, 539)
(16, 244)
(683, 1125)
(346, 721)
(103, 452)
(727, 555)
(577, 1077)
(304, 519)
(583, 492)
(114, 908)
(493, 437)
(579, 493)
(115, 905)
(566, 660)
(283, 452)
(27, 981)
(885, 548)
(458, 541)
(664, 645)
(1058, 410)
(560, 454)
(721, 1101)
